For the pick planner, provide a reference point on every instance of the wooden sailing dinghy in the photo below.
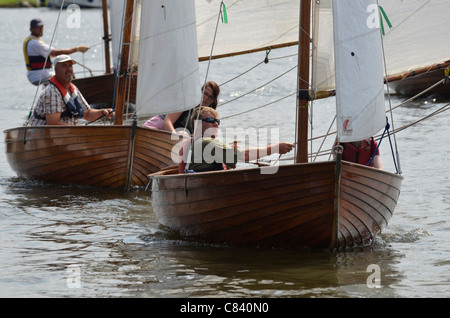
(316, 205)
(112, 156)
(330, 204)
(417, 46)
(432, 80)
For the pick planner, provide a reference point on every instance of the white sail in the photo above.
(419, 36)
(323, 76)
(359, 69)
(116, 9)
(263, 28)
(252, 24)
(168, 72)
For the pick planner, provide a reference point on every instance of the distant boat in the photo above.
(432, 80)
(331, 204)
(112, 156)
(417, 46)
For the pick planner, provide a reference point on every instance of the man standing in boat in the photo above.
(38, 54)
(61, 103)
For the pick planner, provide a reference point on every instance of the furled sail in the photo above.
(359, 69)
(168, 72)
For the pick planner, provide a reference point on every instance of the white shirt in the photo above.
(37, 47)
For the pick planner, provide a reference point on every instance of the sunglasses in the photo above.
(211, 120)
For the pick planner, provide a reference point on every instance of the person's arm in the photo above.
(377, 162)
(95, 114)
(54, 119)
(81, 48)
(170, 120)
(250, 154)
(53, 106)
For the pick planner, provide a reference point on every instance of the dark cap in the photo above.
(36, 23)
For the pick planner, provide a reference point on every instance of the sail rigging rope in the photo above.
(261, 86)
(118, 56)
(222, 7)
(386, 129)
(376, 137)
(265, 61)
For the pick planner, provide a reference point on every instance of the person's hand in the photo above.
(285, 147)
(108, 112)
(82, 48)
(183, 133)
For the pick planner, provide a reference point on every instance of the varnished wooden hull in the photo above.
(97, 156)
(100, 89)
(301, 206)
(418, 81)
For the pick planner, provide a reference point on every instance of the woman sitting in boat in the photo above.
(210, 154)
(362, 152)
(181, 120)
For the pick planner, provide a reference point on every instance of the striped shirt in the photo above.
(50, 101)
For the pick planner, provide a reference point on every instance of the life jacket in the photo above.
(362, 154)
(35, 62)
(70, 100)
(182, 164)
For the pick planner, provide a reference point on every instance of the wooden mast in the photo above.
(124, 56)
(106, 36)
(303, 81)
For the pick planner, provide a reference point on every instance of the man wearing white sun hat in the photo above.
(61, 103)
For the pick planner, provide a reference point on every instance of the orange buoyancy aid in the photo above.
(362, 154)
(35, 62)
(70, 100)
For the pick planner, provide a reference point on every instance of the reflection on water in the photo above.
(119, 250)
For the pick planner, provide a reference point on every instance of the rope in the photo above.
(118, 56)
(386, 128)
(390, 104)
(275, 78)
(259, 107)
(222, 6)
(377, 137)
(265, 61)
(243, 73)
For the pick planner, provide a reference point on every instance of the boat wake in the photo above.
(400, 235)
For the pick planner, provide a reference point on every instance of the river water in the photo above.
(65, 241)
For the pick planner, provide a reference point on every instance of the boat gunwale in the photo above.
(164, 175)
